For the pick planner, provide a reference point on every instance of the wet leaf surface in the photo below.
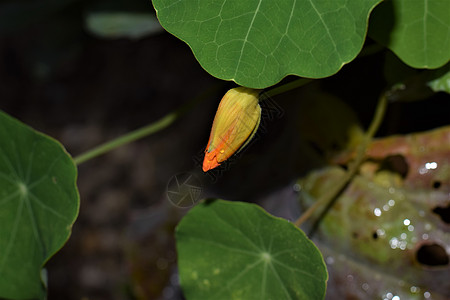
(235, 250)
(388, 232)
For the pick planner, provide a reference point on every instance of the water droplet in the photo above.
(427, 226)
(403, 236)
(330, 260)
(380, 232)
(423, 171)
(396, 298)
(389, 295)
(391, 202)
(414, 289)
(406, 222)
(425, 236)
(349, 277)
(402, 245)
(365, 286)
(391, 190)
(394, 242)
(377, 212)
(297, 187)
(427, 295)
(431, 165)
(386, 207)
(411, 228)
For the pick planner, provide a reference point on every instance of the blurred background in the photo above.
(85, 72)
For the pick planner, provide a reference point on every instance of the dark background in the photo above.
(82, 89)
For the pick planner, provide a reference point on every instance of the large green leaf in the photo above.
(38, 204)
(256, 43)
(235, 250)
(417, 31)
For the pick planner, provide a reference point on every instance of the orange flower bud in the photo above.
(236, 121)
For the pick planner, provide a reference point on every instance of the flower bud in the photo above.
(236, 121)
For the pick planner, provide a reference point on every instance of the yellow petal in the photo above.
(235, 123)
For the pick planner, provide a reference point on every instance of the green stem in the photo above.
(168, 120)
(288, 86)
(332, 193)
(143, 131)
(127, 138)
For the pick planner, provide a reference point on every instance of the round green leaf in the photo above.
(417, 31)
(38, 204)
(235, 250)
(257, 43)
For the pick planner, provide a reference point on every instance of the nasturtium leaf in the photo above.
(235, 250)
(122, 24)
(441, 83)
(409, 84)
(417, 31)
(38, 205)
(257, 43)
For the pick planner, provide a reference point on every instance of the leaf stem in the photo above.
(331, 194)
(147, 130)
(167, 120)
(287, 87)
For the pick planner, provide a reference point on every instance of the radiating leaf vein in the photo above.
(13, 235)
(10, 166)
(240, 232)
(282, 284)
(48, 208)
(34, 225)
(11, 196)
(242, 251)
(238, 276)
(295, 270)
(246, 39)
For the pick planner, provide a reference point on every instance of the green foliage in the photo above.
(121, 24)
(232, 250)
(235, 250)
(38, 204)
(257, 43)
(417, 31)
(442, 82)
